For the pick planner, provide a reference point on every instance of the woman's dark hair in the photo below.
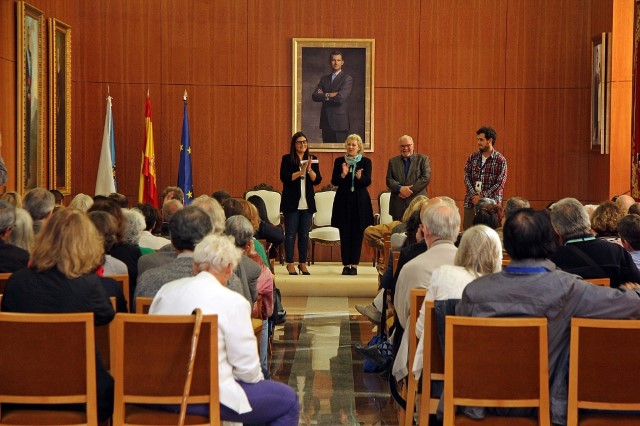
(111, 207)
(261, 206)
(292, 149)
(412, 227)
(490, 215)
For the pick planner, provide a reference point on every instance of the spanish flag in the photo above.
(148, 188)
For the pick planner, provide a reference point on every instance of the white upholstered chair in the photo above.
(321, 230)
(271, 199)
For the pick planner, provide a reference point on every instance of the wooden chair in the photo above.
(416, 298)
(271, 199)
(432, 364)
(4, 277)
(603, 282)
(143, 304)
(123, 280)
(384, 260)
(496, 362)
(321, 230)
(48, 359)
(149, 358)
(595, 382)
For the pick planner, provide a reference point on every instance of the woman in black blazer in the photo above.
(298, 174)
(352, 211)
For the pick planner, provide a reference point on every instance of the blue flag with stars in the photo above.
(185, 179)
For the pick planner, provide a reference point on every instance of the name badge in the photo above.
(478, 186)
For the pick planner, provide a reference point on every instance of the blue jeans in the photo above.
(297, 223)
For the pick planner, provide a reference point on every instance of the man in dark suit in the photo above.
(333, 91)
(408, 175)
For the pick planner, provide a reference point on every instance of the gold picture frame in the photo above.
(313, 109)
(30, 28)
(60, 106)
(600, 93)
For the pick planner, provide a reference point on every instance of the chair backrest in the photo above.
(416, 298)
(123, 280)
(324, 207)
(48, 358)
(594, 381)
(432, 363)
(271, 200)
(143, 304)
(603, 282)
(396, 258)
(148, 370)
(383, 203)
(507, 358)
(4, 277)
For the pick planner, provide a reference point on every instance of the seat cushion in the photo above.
(326, 233)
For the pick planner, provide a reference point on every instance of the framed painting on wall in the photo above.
(333, 82)
(60, 106)
(600, 93)
(30, 92)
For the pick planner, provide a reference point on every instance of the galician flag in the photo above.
(185, 179)
(106, 180)
(148, 189)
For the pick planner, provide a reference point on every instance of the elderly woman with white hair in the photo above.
(245, 396)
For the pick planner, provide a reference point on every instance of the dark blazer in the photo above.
(418, 177)
(291, 188)
(335, 111)
(358, 200)
(12, 258)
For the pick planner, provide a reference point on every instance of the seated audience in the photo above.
(120, 199)
(12, 258)
(57, 195)
(512, 205)
(61, 279)
(214, 210)
(634, 209)
(107, 227)
(12, 198)
(273, 234)
(221, 195)
(532, 286)
(152, 222)
(624, 201)
(629, 231)
(489, 215)
(81, 202)
(245, 396)
(22, 232)
(172, 193)
(233, 207)
(39, 202)
(134, 224)
(582, 253)
(604, 221)
(169, 208)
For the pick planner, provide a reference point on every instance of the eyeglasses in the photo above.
(406, 146)
(301, 142)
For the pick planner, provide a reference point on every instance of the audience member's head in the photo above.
(99, 197)
(605, 219)
(221, 195)
(58, 245)
(570, 219)
(134, 225)
(251, 212)
(629, 231)
(232, 207)
(490, 215)
(240, 229)
(172, 193)
(217, 255)
(634, 209)
(261, 206)
(57, 195)
(413, 225)
(415, 205)
(81, 202)
(480, 251)
(22, 233)
(441, 221)
(483, 202)
(514, 204)
(590, 208)
(213, 209)
(169, 208)
(39, 202)
(188, 227)
(7, 220)
(152, 219)
(528, 234)
(120, 199)
(625, 201)
(114, 210)
(12, 198)
(107, 226)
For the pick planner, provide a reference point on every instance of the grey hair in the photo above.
(81, 202)
(442, 220)
(480, 251)
(213, 209)
(240, 229)
(39, 202)
(134, 225)
(7, 215)
(22, 233)
(216, 251)
(514, 204)
(169, 208)
(569, 218)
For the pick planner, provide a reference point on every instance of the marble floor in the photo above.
(313, 352)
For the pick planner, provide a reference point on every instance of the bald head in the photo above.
(625, 202)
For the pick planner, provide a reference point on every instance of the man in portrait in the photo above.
(333, 91)
(27, 102)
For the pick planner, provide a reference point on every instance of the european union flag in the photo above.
(185, 179)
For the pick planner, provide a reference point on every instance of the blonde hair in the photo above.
(70, 242)
(22, 233)
(251, 212)
(357, 138)
(480, 251)
(414, 205)
(81, 202)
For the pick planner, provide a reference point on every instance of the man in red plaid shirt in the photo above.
(484, 174)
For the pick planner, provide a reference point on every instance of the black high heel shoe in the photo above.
(303, 272)
(290, 271)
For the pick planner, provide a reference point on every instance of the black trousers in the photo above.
(351, 242)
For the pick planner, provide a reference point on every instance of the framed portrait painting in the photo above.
(333, 82)
(600, 93)
(30, 106)
(60, 106)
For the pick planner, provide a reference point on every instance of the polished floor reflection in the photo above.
(314, 353)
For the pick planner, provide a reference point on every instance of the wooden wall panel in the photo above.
(8, 42)
(547, 43)
(601, 17)
(448, 121)
(620, 149)
(462, 43)
(549, 143)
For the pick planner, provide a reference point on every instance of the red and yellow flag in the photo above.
(148, 188)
